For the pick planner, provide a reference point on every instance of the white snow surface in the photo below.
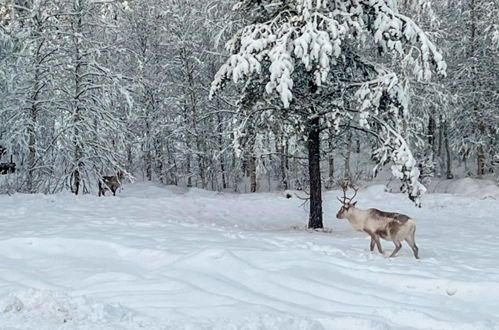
(156, 257)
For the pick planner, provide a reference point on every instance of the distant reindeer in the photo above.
(112, 182)
(390, 226)
(6, 168)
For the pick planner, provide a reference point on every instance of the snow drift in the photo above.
(167, 258)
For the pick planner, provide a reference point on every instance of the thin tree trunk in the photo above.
(252, 169)
(448, 173)
(331, 162)
(479, 126)
(432, 128)
(193, 99)
(281, 150)
(78, 152)
(31, 149)
(314, 172)
(220, 148)
(189, 177)
(480, 153)
(159, 160)
(440, 146)
(38, 85)
(348, 171)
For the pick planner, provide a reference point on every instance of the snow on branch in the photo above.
(392, 30)
(312, 33)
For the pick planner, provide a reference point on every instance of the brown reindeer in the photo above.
(390, 226)
(112, 183)
(6, 168)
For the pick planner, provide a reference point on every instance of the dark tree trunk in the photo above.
(78, 117)
(281, 147)
(189, 177)
(480, 161)
(220, 147)
(30, 186)
(77, 180)
(252, 168)
(472, 53)
(148, 148)
(432, 128)
(331, 169)
(348, 171)
(222, 169)
(314, 171)
(448, 173)
(439, 147)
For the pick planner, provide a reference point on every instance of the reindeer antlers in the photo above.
(344, 186)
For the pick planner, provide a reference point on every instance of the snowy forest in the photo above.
(270, 161)
(248, 95)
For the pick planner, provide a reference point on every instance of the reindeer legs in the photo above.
(398, 245)
(378, 244)
(410, 240)
(375, 240)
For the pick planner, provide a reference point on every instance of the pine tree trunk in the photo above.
(148, 143)
(252, 169)
(331, 162)
(314, 171)
(480, 154)
(432, 128)
(76, 181)
(220, 148)
(38, 86)
(348, 171)
(189, 177)
(31, 149)
(281, 150)
(440, 146)
(479, 126)
(448, 174)
(78, 118)
(222, 169)
(159, 164)
(432, 135)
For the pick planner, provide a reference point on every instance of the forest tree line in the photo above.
(90, 88)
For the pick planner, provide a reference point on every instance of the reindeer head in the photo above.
(347, 204)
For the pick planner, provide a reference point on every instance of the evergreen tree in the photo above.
(303, 60)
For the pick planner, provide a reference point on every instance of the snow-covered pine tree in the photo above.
(145, 41)
(196, 126)
(92, 142)
(473, 27)
(304, 60)
(28, 124)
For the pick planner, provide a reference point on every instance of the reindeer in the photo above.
(112, 183)
(390, 226)
(6, 168)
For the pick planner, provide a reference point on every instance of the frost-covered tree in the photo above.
(92, 142)
(458, 115)
(144, 40)
(474, 79)
(304, 61)
(29, 121)
(199, 125)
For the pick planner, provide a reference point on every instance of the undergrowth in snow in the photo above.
(159, 257)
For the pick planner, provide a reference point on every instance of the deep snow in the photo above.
(170, 258)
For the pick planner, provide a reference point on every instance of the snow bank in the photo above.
(50, 310)
(478, 188)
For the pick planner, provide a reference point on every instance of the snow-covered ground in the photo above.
(169, 258)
